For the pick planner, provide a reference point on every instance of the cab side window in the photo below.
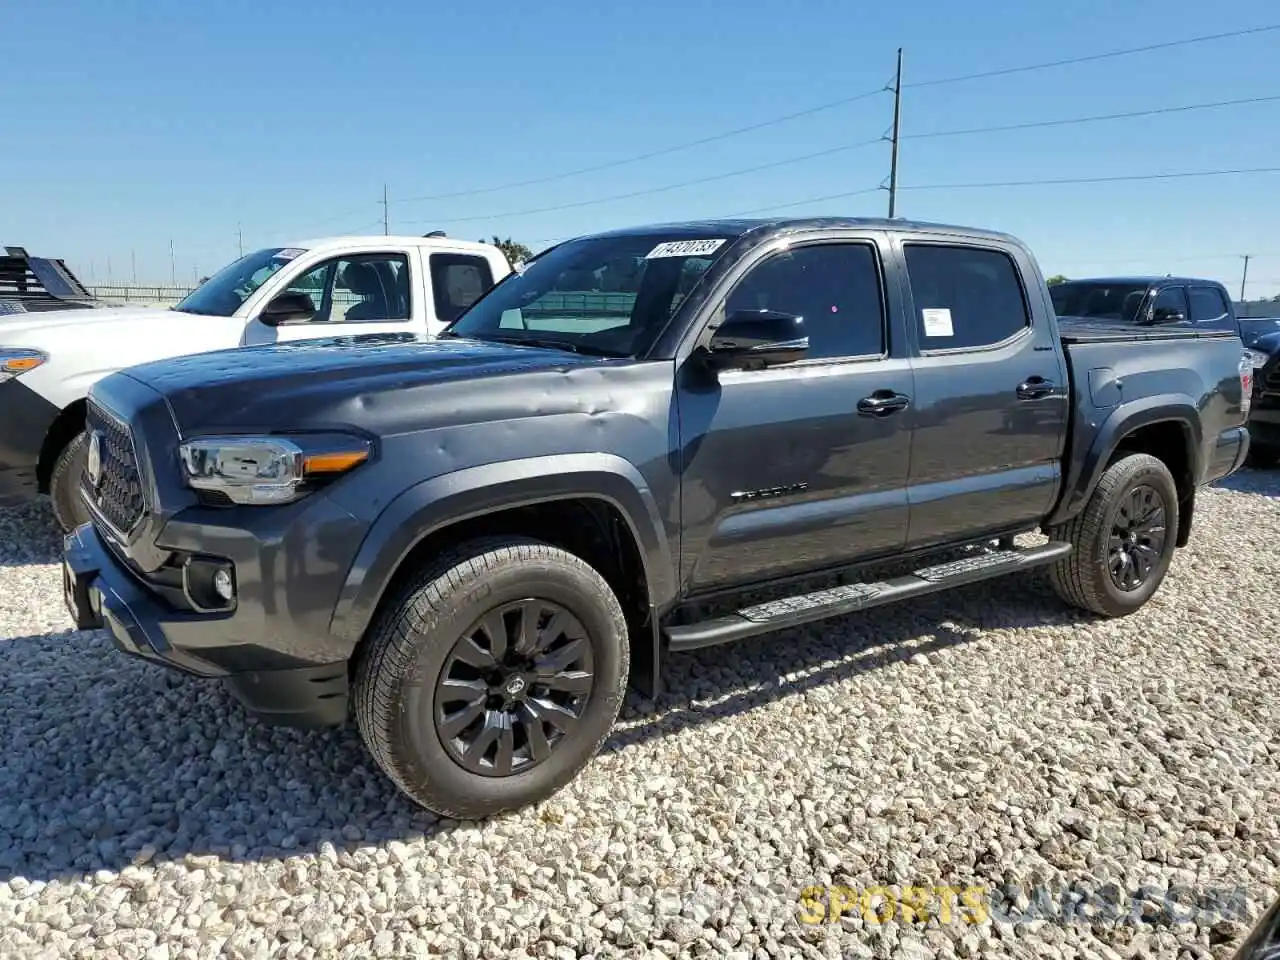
(364, 288)
(833, 287)
(458, 281)
(965, 297)
(1170, 306)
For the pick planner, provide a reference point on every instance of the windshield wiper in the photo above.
(549, 344)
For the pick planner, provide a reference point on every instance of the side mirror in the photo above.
(287, 308)
(1167, 315)
(757, 338)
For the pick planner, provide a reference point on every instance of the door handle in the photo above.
(882, 403)
(1035, 388)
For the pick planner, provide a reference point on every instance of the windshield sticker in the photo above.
(684, 248)
(289, 253)
(937, 322)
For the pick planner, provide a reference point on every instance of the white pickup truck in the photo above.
(338, 286)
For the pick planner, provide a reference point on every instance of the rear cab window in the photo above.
(457, 281)
(965, 297)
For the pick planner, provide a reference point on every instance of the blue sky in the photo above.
(144, 122)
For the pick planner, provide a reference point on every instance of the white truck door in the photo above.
(353, 293)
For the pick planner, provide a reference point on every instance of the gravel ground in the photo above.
(984, 738)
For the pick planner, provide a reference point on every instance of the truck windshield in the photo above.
(1098, 301)
(609, 296)
(223, 293)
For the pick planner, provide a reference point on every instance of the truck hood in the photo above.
(377, 382)
(26, 325)
(1261, 334)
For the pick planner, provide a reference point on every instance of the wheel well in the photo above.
(590, 528)
(65, 426)
(1169, 441)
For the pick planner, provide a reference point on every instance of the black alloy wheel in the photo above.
(1138, 536)
(513, 686)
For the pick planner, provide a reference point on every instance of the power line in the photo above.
(1008, 183)
(1114, 179)
(844, 101)
(800, 203)
(1127, 115)
(1093, 57)
(662, 189)
(653, 153)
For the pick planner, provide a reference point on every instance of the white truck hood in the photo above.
(85, 345)
(26, 324)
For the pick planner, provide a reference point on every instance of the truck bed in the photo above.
(1072, 330)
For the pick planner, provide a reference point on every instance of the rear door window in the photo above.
(965, 297)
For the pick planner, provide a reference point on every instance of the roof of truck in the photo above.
(1149, 281)
(354, 240)
(731, 227)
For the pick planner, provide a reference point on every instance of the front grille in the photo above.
(118, 493)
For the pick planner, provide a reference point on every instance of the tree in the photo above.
(514, 252)
(1056, 279)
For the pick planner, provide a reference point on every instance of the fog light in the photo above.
(223, 586)
(209, 584)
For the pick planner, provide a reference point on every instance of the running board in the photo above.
(837, 601)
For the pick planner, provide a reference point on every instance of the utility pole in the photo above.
(173, 268)
(386, 213)
(133, 265)
(240, 239)
(108, 270)
(1245, 278)
(897, 125)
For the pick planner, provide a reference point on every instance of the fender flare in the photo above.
(1122, 421)
(432, 505)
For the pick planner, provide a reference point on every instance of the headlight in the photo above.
(15, 362)
(1257, 358)
(266, 470)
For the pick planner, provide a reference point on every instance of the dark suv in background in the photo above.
(1186, 301)
(1189, 302)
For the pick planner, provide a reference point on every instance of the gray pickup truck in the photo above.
(473, 543)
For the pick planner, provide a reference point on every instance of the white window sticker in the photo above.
(289, 254)
(684, 248)
(937, 322)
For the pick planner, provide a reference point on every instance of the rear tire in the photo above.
(469, 725)
(64, 484)
(1123, 539)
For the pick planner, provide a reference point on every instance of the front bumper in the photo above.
(1264, 422)
(100, 591)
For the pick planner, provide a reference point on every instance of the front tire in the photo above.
(1123, 539)
(64, 484)
(1263, 458)
(493, 678)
